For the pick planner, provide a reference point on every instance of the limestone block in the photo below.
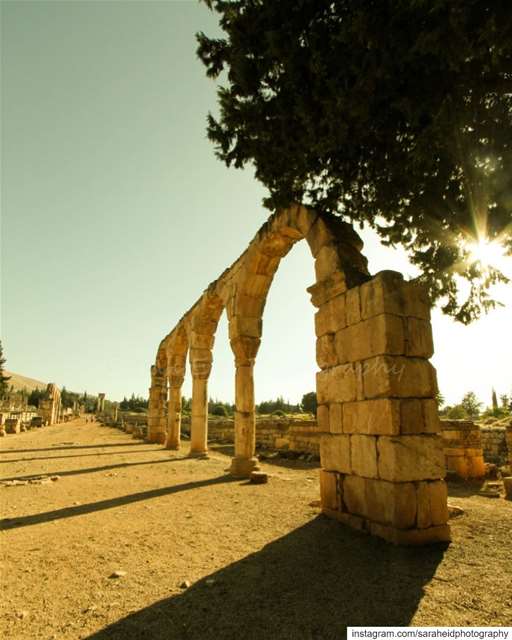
(373, 417)
(244, 326)
(255, 284)
(327, 262)
(417, 303)
(337, 384)
(507, 484)
(477, 466)
(276, 244)
(204, 325)
(330, 490)
(395, 376)
(413, 537)
(322, 417)
(384, 293)
(245, 348)
(354, 495)
(336, 417)
(391, 503)
(327, 289)
(411, 416)
(431, 416)
(318, 236)
(363, 455)
(419, 340)
(331, 316)
(409, 458)
(379, 335)
(255, 261)
(353, 306)
(325, 351)
(304, 219)
(419, 416)
(244, 388)
(251, 306)
(335, 453)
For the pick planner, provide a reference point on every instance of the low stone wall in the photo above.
(494, 444)
(463, 450)
(271, 432)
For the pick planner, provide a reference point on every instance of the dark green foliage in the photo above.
(271, 406)
(36, 396)
(309, 402)
(471, 405)
(136, 404)
(4, 387)
(218, 408)
(279, 413)
(397, 113)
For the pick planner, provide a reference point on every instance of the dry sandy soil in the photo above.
(206, 556)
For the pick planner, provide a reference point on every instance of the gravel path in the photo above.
(199, 555)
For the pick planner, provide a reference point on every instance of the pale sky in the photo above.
(116, 215)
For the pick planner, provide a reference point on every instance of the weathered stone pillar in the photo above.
(174, 417)
(245, 460)
(382, 459)
(156, 408)
(199, 418)
(200, 364)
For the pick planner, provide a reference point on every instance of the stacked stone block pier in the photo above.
(380, 449)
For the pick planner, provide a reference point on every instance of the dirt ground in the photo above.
(206, 556)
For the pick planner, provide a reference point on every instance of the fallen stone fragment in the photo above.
(117, 574)
(259, 477)
(22, 614)
(185, 584)
(210, 581)
(454, 511)
(54, 478)
(507, 483)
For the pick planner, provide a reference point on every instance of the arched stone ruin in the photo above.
(381, 454)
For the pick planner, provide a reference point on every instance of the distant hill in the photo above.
(22, 382)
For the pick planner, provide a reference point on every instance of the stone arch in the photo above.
(381, 454)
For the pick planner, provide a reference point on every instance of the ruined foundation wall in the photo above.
(462, 443)
(271, 433)
(494, 445)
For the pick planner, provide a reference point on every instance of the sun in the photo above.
(488, 253)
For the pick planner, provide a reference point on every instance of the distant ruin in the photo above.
(381, 453)
(50, 408)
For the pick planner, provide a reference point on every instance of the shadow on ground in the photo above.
(73, 447)
(309, 585)
(82, 509)
(108, 467)
(288, 463)
(458, 488)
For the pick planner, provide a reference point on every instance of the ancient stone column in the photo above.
(174, 418)
(199, 418)
(156, 408)
(244, 461)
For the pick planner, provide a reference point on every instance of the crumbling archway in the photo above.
(381, 455)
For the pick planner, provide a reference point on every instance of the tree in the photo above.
(471, 405)
(309, 402)
(494, 401)
(397, 114)
(4, 387)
